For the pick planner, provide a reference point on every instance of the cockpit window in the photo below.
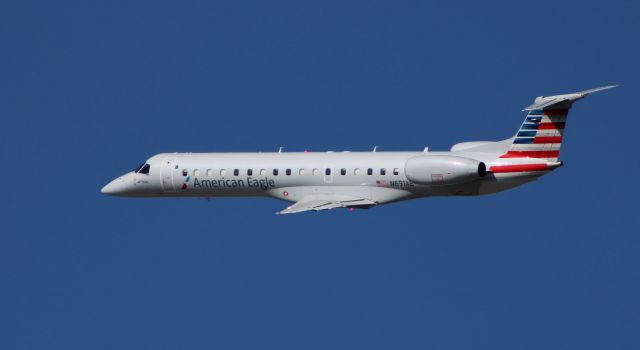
(143, 168)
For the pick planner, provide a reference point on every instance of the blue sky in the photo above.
(89, 89)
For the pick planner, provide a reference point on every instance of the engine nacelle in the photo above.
(443, 170)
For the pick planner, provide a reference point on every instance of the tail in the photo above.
(540, 135)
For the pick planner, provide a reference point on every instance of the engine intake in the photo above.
(443, 170)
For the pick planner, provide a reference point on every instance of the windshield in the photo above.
(142, 169)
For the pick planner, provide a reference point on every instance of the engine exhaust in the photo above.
(482, 169)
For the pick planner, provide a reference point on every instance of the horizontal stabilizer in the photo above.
(563, 101)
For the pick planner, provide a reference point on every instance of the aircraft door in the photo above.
(328, 174)
(167, 174)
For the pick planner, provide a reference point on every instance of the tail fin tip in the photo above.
(563, 101)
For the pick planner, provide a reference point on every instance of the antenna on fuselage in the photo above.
(375, 148)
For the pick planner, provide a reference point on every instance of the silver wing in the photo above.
(327, 201)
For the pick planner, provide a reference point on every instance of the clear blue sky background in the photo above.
(89, 89)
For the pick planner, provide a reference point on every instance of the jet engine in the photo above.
(443, 170)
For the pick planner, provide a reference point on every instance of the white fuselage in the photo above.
(380, 176)
(326, 180)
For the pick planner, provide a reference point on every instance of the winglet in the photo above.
(563, 101)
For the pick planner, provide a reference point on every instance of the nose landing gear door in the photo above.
(168, 173)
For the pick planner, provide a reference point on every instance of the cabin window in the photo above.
(327, 171)
(209, 172)
(275, 172)
(383, 171)
(356, 171)
(223, 172)
(185, 172)
(396, 171)
(288, 172)
(196, 173)
(343, 171)
(236, 172)
(263, 172)
(316, 172)
(369, 171)
(249, 172)
(301, 171)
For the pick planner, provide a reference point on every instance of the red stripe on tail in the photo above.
(550, 126)
(547, 139)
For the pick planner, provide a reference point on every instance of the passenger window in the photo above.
(223, 172)
(275, 172)
(316, 172)
(369, 171)
(196, 173)
(288, 172)
(236, 172)
(185, 172)
(249, 172)
(396, 171)
(263, 172)
(356, 171)
(327, 171)
(343, 171)
(209, 173)
(383, 171)
(301, 171)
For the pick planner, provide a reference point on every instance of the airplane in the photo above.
(315, 181)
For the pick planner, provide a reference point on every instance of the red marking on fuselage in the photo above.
(518, 168)
(531, 154)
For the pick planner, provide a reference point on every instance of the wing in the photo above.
(327, 201)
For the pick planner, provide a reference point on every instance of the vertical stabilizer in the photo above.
(542, 131)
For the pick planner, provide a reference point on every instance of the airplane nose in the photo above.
(115, 187)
